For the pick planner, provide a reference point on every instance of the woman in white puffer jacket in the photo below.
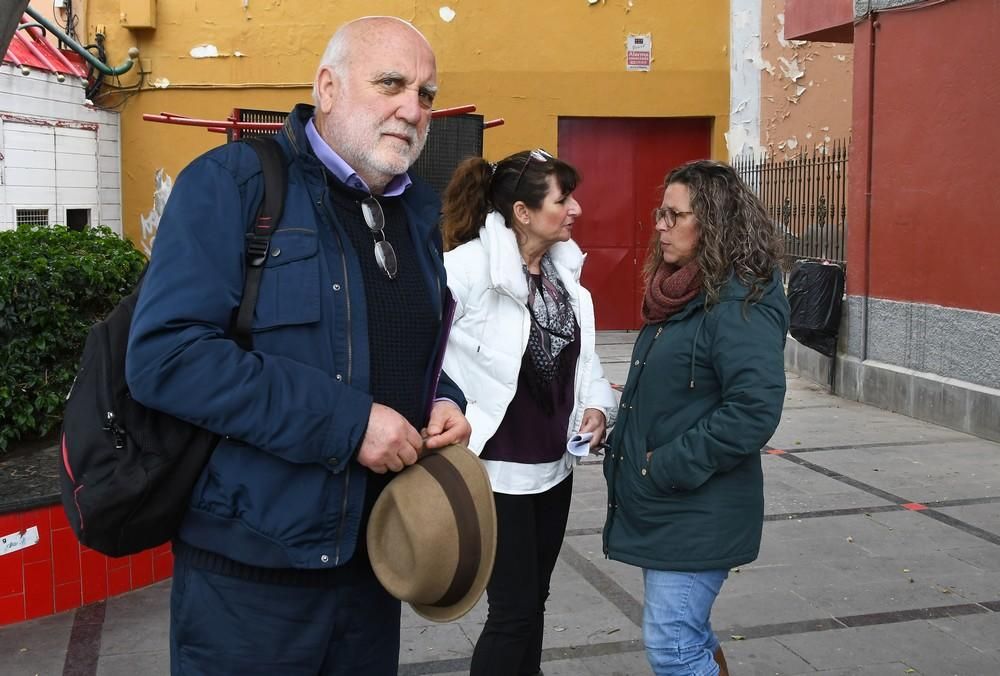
(522, 350)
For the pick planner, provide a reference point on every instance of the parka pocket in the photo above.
(289, 286)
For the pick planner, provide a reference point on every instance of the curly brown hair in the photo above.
(477, 187)
(736, 236)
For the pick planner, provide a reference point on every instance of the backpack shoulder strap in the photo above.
(258, 239)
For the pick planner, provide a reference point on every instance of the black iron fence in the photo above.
(807, 198)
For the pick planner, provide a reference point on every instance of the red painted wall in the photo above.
(829, 21)
(59, 574)
(935, 209)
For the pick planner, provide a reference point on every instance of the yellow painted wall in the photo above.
(528, 61)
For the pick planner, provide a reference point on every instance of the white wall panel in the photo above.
(58, 152)
(19, 177)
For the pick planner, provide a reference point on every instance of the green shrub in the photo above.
(54, 283)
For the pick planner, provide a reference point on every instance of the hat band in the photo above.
(469, 539)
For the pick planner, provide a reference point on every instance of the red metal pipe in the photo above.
(221, 125)
(449, 112)
(29, 44)
(493, 123)
(214, 124)
(16, 61)
(38, 35)
(73, 68)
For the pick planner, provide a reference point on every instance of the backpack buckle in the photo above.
(257, 248)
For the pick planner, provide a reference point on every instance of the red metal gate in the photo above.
(623, 162)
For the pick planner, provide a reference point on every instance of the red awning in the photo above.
(29, 49)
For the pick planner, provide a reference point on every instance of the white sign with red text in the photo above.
(639, 52)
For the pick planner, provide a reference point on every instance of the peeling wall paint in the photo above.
(806, 102)
(151, 222)
(205, 52)
(745, 66)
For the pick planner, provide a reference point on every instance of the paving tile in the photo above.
(733, 612)
(981, 632)
(915, 531)
(963, 663)
(852, 423)
(590, 626)
(985, 516)
(792, 488)
(903, 643)
(980, 587)
(881, 597)
(917, 473)
(589, 506)
(889, 669)
(36, 646)
(628, 664)
(434, 642)
(763, 657)
(137, 622)
(625, 577)
(129, 664)
(984, 557)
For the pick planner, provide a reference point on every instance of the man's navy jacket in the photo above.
(283, 489)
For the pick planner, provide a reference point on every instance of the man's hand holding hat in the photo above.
(446, 426)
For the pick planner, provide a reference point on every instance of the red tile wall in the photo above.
(59, 573)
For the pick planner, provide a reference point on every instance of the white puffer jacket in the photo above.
(489, 336)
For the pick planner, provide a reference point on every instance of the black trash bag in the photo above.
(815, 294)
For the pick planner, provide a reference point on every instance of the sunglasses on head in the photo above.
(537, 154)
(385, 255)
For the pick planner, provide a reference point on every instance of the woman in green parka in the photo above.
(703, 396)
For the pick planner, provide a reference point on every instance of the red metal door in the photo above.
(623, 162)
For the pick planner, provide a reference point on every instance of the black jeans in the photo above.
(530, 530)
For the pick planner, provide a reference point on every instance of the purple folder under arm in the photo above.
(446, 319)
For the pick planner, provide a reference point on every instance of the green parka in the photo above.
(703, 396)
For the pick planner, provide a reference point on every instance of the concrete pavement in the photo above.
(881, 556)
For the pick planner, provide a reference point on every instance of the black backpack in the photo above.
(127, 471)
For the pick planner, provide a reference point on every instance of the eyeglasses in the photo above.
(536, 154)
(385, 255)
(669, 216)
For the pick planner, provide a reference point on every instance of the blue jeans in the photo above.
(676, 624)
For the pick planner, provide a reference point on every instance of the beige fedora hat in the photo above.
(432, 536)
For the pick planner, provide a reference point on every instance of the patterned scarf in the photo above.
(552, 321)
(669, 290)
